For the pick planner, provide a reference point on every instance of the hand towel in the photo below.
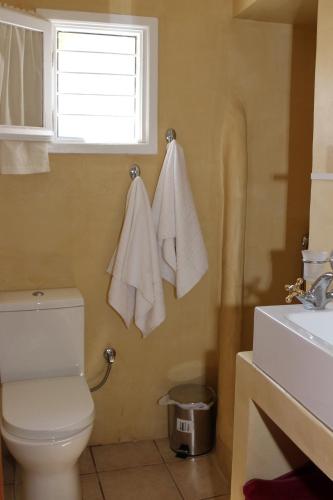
(136, 286)
(183, 256)
(19, 157)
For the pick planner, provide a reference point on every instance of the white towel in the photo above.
(136, 287)
(19, 157)
(183, 255)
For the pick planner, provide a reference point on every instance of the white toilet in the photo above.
(47, 409)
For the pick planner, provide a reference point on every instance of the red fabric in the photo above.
(307, 483)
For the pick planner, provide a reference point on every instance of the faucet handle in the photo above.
(294, 290)
(331, 259)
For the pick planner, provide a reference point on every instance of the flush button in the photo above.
(38, 293)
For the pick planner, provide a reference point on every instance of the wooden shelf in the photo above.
(273, 433)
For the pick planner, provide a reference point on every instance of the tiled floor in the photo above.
(145, 470)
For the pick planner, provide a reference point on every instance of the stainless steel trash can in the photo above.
(191, 419)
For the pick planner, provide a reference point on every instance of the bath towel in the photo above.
(136, 289)
(182, 251)
(306, 483)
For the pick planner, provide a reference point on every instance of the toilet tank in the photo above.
(41, 334)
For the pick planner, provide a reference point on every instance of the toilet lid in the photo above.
(49, 408)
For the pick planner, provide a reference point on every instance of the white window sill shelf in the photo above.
(144, 149)
(322, 176)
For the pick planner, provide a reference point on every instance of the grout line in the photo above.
(222, 495)
(131, 467)
(169, 472)
(100, 486)
(96, 472)
(174, 481)
(226, 496)
(157, 448)
(173, 460)
(92, 457)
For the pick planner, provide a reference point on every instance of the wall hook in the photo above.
(170, 135)
(134, 171)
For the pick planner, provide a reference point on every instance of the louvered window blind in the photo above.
(104, 79)
(98, 87)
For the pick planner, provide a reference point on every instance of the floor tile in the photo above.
(220, 497)
(169, 455)
(9, 492)
(164, 448)
(90, 488)
(125, 455)
(152, 482)
(8, 465)
(86, 463)
(199, 479)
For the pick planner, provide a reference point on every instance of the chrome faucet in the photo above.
(318, 295)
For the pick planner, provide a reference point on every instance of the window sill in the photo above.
(65, 148)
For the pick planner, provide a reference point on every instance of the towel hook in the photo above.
(134, 171)
(170, 135)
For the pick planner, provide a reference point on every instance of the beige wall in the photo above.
(60, 229)
(281, 11)
(321, 215)
(272, 71)
(279, 189)
(323, 125)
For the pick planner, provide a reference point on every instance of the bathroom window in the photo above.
(104, 83)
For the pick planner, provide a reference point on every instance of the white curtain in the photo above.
(21, 98)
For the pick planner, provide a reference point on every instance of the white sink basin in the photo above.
(294, 347)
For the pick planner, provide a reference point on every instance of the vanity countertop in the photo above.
(273, 433)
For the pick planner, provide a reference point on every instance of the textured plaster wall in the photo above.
(321, 217)
(272, 74)
(60, 229)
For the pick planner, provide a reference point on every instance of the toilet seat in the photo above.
(47, 409)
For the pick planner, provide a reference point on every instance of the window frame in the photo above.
(147, 30)
(26, 20)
